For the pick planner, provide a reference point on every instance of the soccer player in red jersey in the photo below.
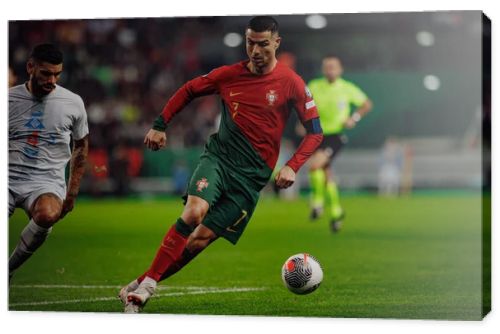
(257, 96)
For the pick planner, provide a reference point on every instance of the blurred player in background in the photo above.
(333, 96)
(43, 118)
(256, 98)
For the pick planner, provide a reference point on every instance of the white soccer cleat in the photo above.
(141, 295)
(131, 308)
(126, 289)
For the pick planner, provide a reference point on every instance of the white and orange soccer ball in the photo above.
(302, 273)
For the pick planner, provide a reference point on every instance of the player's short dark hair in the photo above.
(263, 23)
(47, 53)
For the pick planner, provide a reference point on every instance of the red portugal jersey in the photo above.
(258, 105)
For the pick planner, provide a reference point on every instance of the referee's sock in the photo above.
(32, 237)
(317, 179)
(333, 198)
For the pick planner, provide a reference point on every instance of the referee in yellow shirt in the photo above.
(333, 97)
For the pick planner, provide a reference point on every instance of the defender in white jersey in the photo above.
(43, 118)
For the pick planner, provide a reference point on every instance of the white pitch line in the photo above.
(72, 301)
(65, 286)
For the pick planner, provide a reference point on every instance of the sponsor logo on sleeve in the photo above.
(310, 104)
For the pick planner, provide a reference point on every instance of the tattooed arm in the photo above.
(76, 171)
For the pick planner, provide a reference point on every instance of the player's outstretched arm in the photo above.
(204, 85)
(309, 144)
(155, 139)
(76, 171)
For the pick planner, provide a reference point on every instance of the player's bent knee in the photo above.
(193, 216)
(195, 211)
(47, 210)
(46, 217)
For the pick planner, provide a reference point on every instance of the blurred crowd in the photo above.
(125, 71)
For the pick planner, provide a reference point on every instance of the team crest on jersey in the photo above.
(34, 125)
(35, 122)
(271, 97)
(201, 184)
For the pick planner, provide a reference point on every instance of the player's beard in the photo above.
(38, 90)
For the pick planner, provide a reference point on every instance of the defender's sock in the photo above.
(170, 250)
(32, 237)
(334, 200)
(317, 181)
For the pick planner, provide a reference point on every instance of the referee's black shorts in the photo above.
(332, 144)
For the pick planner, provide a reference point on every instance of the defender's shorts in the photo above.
(23, 193)
(232, 199)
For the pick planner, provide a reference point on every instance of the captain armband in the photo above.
(313, 126)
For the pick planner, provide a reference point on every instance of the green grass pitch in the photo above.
(412, 257)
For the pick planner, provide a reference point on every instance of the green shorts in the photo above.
(232, 199)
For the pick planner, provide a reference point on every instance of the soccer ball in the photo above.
(302, 273)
